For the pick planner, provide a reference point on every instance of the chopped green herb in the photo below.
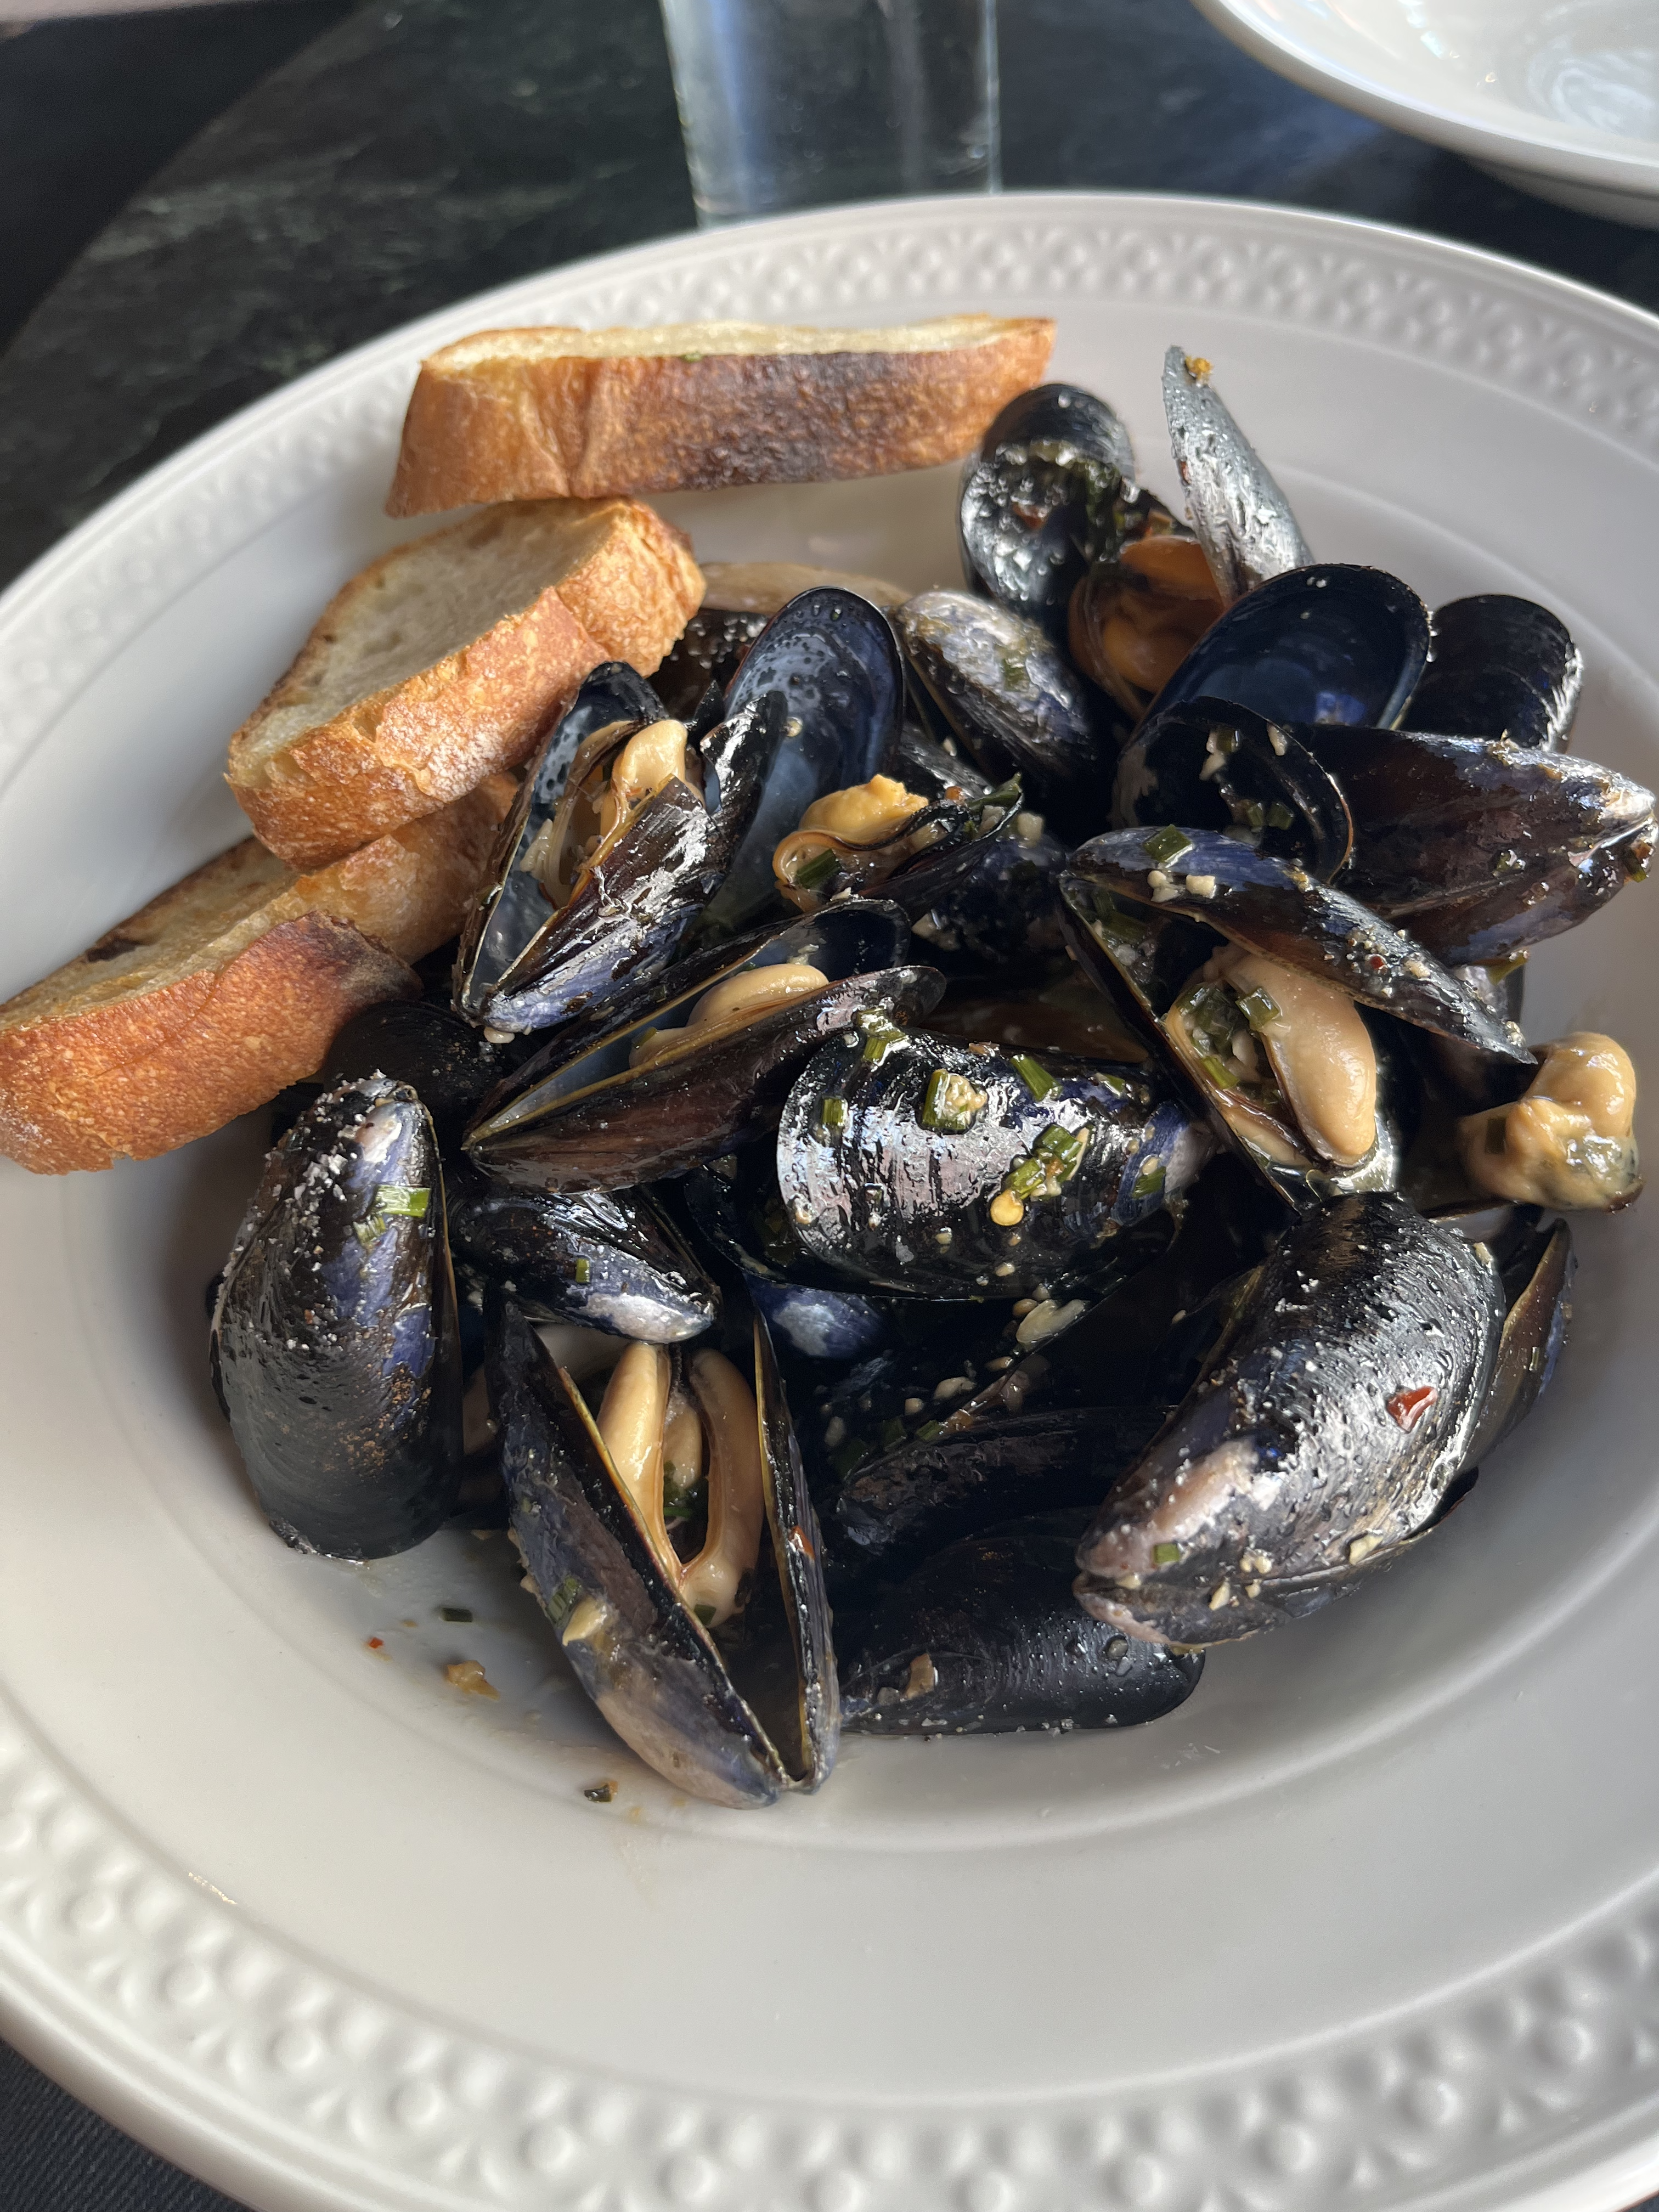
(1164, 846)
(1035, 1078)
(1507, 862)
(1061, 1150)
(1280, 815)
(1255, 814)
(1222, 740)
(563, 1601)
(1165, 1555)
(833, 1113)
(892, 1433)
(454, 1613)
(929, 1430)
(950, 1103)
(410, 1200)
(601, 1793)
(1149, 1182)
(1016, 673)
(1223, 1077)
(812, 875)
(1258, 1008)
(880, 1035)
(584, 1271)
(705, 1614)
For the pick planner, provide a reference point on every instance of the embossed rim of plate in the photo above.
(1557, 150)
(192, 2026)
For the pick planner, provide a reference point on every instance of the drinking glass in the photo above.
(799, 103)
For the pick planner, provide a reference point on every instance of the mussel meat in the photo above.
(670, 1542)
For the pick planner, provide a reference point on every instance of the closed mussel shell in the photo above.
(598, 1118)
(736, 1716)
(1322, 1437)
(1002, 690)
(985, 1639)
(945, 1172)
(1499, 667)
(1330, 643)
(336, 1353)
(1041, 500)
(607, 1260)
(511, 905)
(1478, 845)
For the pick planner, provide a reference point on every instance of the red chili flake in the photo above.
(377, 1644)
(1376, 963)
(1408, 1408)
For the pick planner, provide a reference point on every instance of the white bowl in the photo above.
(1371, 1924)
(1558, 97)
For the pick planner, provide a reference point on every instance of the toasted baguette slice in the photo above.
(532, 414)
(205, 1002)
(441, 662)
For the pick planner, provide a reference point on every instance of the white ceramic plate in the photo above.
(1559, 97)
(1373, 1920)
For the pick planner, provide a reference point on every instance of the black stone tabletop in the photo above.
(203, 204)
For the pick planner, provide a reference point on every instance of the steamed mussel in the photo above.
(1028, 1085)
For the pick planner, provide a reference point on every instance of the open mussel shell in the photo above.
(1478, 845)
(1216, 766)
(1322, 1437)
(1330, 643)
(1004, 693)
(815, 866)
(829, 665)
(1140, 610)
(335, 1348)
(1273, 907)
(590, 1119)
(626, 914)
(1499, 667)
(985, 1639)
(942, 1171)
(737, 1715)
(511, 905)
(607, 1260)
(1240, 516)
(989, 906)
(1042, 500)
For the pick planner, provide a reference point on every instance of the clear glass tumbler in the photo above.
(799, 103)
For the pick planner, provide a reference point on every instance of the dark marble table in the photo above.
(348, 167)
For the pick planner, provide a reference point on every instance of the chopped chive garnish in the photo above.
(1035, 1078)
(1255, 814)
(1280, 815)
(1165, 1555)
(892, 1433)
(1166, 845)
(1149, 1182)
(454, 1613)
(833, 1113)
(584, 1271)
(928, 1431)
(950, 1103)
(1258, 1008)
(813, 874)
(410, 1200)
(1223, 1077)
(562, 1603)
(1060, 1150)
(879, 1035)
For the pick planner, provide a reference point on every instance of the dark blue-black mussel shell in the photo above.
(336, 1352)
(1499, 667)
(987, 1638)
(1326, 644)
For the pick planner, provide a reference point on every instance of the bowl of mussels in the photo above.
(1029, 1079)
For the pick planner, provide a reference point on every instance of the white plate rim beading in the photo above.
(166, 2007)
